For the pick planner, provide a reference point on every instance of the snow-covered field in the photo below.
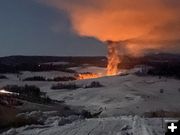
(124, 101)
(125, 95)
(124, 125)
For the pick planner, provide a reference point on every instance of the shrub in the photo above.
(56, 79)
(70, 86)
(29, 92)
(94, 84)
(64, 78)
(87, 114)
(161, 91)
(22, 121)
(166, 70)
(35, 78)
(3, 77)
(161, 113)
(179, 89)
(16, 122)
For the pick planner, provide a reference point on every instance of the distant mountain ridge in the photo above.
(101, 61)
(19, 59)
(16, 60)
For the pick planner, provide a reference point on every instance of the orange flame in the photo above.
(113, 60)
(83, 76)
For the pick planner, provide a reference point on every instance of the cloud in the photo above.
(141, 24)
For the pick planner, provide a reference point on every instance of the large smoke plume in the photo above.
(131, 27)
(143, 25)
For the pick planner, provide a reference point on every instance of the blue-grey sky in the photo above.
(31, 28)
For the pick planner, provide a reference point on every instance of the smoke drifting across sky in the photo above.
(138, 25)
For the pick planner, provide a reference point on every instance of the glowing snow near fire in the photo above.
(82, 76)
(111, 69)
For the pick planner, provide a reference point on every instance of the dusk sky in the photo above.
(28, 27)
(79, 27)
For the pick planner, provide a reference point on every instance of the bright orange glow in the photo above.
(113, 60)
(82, 76)
(141, 25)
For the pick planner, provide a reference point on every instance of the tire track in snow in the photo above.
(140, 128)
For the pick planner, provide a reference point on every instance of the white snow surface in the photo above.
(123, 101)
(124, 125)
(124, 95)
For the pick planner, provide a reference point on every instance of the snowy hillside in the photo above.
(127, 102)
(106, 126)
(125, 95)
